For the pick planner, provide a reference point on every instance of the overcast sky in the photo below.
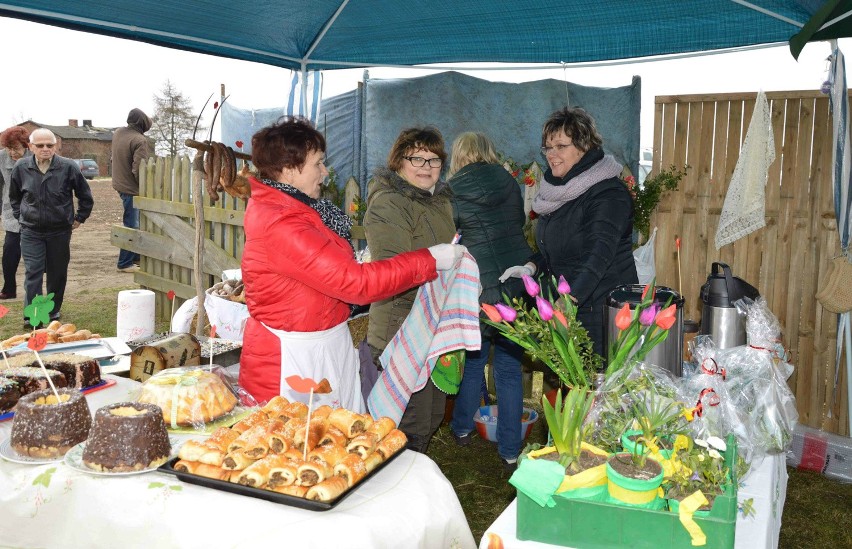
(100, 78)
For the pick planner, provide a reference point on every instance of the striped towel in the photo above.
(445, 317)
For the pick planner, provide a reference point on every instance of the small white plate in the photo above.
(9, 454)
(74, 459)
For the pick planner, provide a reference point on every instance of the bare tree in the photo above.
(174, 121)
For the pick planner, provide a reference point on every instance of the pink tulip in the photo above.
(545, 309)
(531, 285)
(563, 287)
(507, 313)
(491, 312)
(647, 316)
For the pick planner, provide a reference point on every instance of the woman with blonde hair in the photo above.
(489, 211)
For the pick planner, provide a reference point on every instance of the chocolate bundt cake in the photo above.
(10, 392)
(45, 428)
(127, 436)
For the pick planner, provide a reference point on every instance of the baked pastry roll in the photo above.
(323, 411)
(333, 435)
(296, 410)
(392, 443)
(310, 473)
(237, 461)
(314, 433)
(222, 437)
(247, 423)
(352, 468)
(349, 422)
(327, 490)
(363, 445)
(258, 473)
(202, 470)
(282, 472)
(290, 428)
(381, 427)
(372, 461)
(294, 455)
(331, 454)
(277, 442)
(257, 446)
(292, 490)
(275, 407)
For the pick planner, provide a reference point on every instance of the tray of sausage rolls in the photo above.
(280, 454)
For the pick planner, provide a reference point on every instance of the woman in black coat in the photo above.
(489, 212)
(585, 222)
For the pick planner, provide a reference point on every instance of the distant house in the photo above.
(81, 141)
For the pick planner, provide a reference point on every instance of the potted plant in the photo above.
(647, 195)
(585, 475)
(634, 479)
(657, 419)
(698, 465)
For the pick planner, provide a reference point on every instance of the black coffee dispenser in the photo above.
(719, 318)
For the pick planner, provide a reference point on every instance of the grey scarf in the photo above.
(551, 197)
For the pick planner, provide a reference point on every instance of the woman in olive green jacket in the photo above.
(408, 207)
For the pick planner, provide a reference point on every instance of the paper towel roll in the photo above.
(135, 315)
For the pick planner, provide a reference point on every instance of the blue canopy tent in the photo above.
(332, 34)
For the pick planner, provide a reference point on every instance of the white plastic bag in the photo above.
(182, 319)
(643, 256)
(229, 317)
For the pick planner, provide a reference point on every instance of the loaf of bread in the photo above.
(188, 396)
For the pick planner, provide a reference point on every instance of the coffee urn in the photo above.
(719, 318)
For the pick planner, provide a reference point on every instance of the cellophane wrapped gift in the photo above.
(611, 413)
(756, 379)
(714, 411)
(196, 398)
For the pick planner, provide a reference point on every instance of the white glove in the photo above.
(446, 255)
(517, 272)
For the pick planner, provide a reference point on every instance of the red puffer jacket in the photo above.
(300, 276)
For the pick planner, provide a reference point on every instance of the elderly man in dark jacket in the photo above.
(129, 149)
(42, 194)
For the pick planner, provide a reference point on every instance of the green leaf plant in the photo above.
(565, 421)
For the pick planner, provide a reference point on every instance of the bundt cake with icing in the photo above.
(127, 436)
(46, 428)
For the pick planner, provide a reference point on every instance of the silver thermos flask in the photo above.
(719, 317)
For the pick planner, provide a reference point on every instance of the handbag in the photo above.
(835, 294)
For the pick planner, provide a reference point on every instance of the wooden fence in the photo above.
(166, 235)
(787, 259)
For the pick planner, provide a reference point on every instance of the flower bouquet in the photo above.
(550, 332)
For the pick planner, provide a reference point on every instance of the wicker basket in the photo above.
(358, 328)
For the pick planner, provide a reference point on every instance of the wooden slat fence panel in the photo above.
(787, 259)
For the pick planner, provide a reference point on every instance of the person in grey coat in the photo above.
(489, 211)
(14, 141)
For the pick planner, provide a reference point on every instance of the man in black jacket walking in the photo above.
(42, 194)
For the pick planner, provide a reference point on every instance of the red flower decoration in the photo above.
(212, 331)
(171, 295)
(215, 105)
(677, 243)
(239, 144)
(3, 311)
(533, 215)
(38, 341)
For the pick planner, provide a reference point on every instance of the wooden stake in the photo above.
(308, 426)
(50, 381)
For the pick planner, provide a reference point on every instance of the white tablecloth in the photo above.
(767, 485)
(409, 503)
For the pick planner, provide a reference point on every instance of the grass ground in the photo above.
(817, 513)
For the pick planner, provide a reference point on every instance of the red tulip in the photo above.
(545, 309)
(666, 318)
(623, 318)
(563, 287)
(560, 317)
(531, 285)
(506, 313)
(645, 291)
(491, 312)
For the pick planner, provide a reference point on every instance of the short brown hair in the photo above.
(284, 144)
(15, 135)
(576, 124)
(427, 138)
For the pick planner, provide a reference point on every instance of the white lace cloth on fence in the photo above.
(745, 202)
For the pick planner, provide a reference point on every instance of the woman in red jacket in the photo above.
(301, 275)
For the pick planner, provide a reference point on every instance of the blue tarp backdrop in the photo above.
(511, 114)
